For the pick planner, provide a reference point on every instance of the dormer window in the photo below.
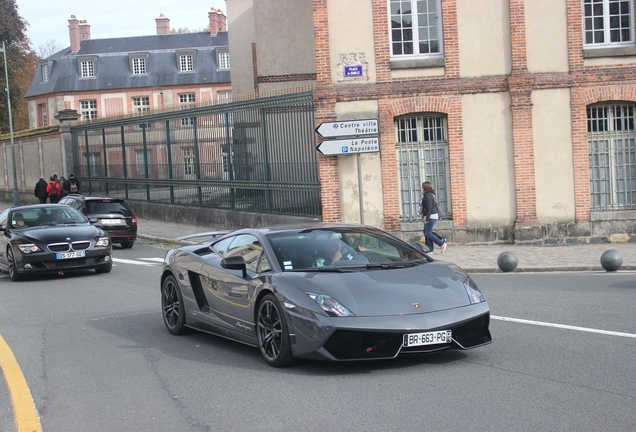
(45, 72)
(88, 67)
(139, 63)
(224, 60)
(187, 60)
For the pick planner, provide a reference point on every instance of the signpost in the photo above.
(349, 146)
(356, 136)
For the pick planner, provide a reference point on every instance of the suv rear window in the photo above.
(106, 207)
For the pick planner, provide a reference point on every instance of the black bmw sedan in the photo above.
(51, 238)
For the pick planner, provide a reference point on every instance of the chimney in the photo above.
(85, 30)
(163, 25)
(218, 21)
(74, 31)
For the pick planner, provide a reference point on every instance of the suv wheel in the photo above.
(128, 244)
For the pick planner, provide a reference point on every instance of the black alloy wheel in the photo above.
(13, 266)
(172, 307)
(272, 333)
(127, 244)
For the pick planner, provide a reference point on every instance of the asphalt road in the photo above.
(96, 356)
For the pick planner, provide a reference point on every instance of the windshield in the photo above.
(43, 216)
(342, 248)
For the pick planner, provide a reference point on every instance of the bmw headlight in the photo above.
(330, 305)
(103, 242)
(29, 248)
(473, 292)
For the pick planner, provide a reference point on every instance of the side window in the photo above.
(3, 217)
(249, 248)
(221, 246)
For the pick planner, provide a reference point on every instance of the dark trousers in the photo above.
(42, 200)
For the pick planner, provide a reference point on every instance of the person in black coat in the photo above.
(40, 190)
(430, 215)
(73, 184)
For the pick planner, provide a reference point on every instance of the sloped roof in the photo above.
(112, 64)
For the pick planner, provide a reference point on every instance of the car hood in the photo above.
(424, 288)
(60, 233)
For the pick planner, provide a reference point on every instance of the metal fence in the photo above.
(257, 155)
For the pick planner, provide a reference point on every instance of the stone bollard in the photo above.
(507, 261)
(611, 260)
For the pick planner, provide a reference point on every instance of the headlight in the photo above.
(29, 248)
(330, 305)
(473, 292)
(103, 242)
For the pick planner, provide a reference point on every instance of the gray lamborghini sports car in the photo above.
(326, 291)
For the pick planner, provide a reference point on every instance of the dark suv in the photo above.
(109, 213)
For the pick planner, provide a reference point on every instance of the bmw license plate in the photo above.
(113, 222)
(429, 338)
(67, 255)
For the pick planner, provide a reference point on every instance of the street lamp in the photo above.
(16, 195)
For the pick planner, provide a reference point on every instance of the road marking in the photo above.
(24, 411)
(152, 259)
(141, 263)
(566, 327)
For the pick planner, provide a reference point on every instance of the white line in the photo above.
(125, 261)
(563, 326)
(152, 259)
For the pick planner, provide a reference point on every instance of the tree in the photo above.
(48, 48)
(21, 65)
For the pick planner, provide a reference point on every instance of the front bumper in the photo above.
(46, 262)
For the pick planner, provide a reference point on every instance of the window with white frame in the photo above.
(43, 114)
(93, 160)
(88, 109)
(416, 28)
(139, 66)
(186, 63)
(142, 157)
(188, 162)
(45, 72)
(87, 68)
(422, 155)
(612, 156)
(608, 22)
(187, 100)
(224, 60)
(141, 104)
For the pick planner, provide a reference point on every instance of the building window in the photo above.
(44, 117)
(416, 27)
(45, 73)
(224, 60)
(141, 105)
(143, 157)
(186, 64)
(224, 96)
(186, 100)
(608, 22)
(422, 155)
(93, 161)
(188, 162)
(139, 66)
(87, 68)
(612, 156)
(88, 109)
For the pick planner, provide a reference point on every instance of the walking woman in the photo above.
(430, 215)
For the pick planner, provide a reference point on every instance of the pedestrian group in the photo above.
(56, 189)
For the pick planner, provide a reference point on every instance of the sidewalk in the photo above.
(475, 259)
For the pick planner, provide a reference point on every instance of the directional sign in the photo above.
(349, 146)
(348, 128)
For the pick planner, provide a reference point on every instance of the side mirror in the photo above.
(234, 263)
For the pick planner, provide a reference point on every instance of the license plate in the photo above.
(112, 222)
(429, 338)
(67, 255)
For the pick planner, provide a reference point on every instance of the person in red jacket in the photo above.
(53, 190)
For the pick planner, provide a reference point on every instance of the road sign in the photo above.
(349, 146)
(348, 128)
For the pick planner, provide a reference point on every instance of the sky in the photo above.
(48, 20)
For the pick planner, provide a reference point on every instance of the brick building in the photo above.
(103, 78)
(520, 112)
